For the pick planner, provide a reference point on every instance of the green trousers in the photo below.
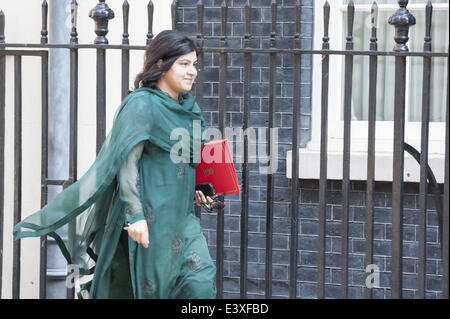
(176, 265)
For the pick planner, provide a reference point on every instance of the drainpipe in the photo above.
(58, 113)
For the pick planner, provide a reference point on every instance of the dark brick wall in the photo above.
(308, 194)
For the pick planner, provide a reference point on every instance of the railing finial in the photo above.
(125, 13)
(273, 24)
(200, 10)
(326, 24)
(401, 20)
(150, 9)
(2, 27)
(44, 32)
(298, 13)
(247, 13)
(428, 17)
(101, 15)
(374, 24)
(224, 16)
(350, 21)
(74, 13)
(173, 8)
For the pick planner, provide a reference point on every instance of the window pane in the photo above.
(438, 96)
(386, 66)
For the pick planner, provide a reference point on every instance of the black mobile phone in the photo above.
(206, 188)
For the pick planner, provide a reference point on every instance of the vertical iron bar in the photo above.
(423, 188)
(44, 173)
(323, 157)
(397, 182)
(101, 98)
(269, 197)
(73, 137)
(401, 20)
(17, 169)
(244, 202)
(150, 21)
(44, 32)
(223, 57)
(73, 13)
(200, 58)
(445, 218)
(2, 141)
(221, 118)
(2, 27)
(373, 60)
(101, 15)
(295, 152)
(199, 97)
(125, 52)
(346, 155)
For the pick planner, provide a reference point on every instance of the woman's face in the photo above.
(180, 76)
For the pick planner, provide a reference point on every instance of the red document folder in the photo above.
(217, 167)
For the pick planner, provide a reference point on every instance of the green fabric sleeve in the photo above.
(135, 217)
(129, 184)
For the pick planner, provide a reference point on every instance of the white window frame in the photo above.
(309, 160)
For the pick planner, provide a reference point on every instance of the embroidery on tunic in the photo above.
(150, 147)
(194, 260)
(181, 171)
(138, 184)
(177, 243)
(148, 288)
(149, 214)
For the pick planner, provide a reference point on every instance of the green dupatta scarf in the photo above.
(86, 205)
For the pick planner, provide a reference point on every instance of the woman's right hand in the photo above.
(139, 232)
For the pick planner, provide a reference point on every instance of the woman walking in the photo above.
(130, 217)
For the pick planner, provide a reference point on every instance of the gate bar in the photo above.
(323, 157)
(126, 52)
(372, 116)
(270, 185)
(223, 57)
(17, 170)
(423, 188)
(446, 221)
(346, 151)
(401, 21)
(44, 172)
(244, 170)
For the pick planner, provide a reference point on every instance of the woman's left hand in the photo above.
(201, 199)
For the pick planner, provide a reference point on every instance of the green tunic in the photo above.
(142, 171)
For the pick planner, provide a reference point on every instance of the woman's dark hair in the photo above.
(168, 46)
